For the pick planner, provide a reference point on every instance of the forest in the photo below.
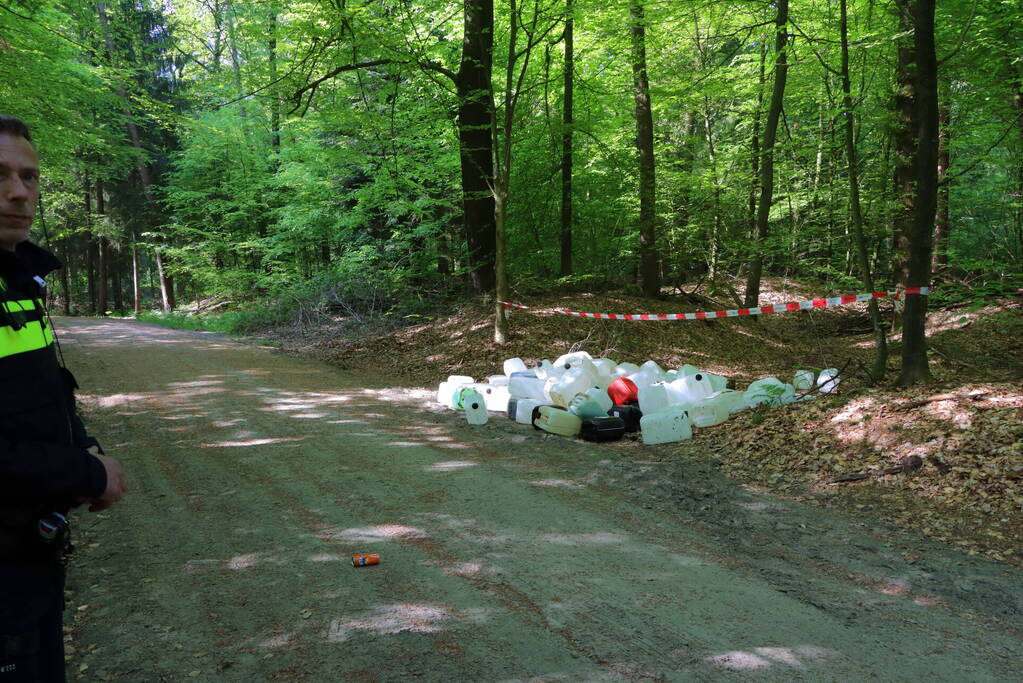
(273, 159)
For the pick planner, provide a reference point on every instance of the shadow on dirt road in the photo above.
(505, 555)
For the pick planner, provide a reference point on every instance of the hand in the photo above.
(117, 484)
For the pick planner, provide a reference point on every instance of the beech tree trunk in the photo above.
(90, 250)
(943, 219)
(166, 283)
(566, 145)
(755, 144)
(877, 372)
(767, 165)
(103, 268)
(475, 138)
(136, 281)
(649, 271)
(914, 339)
(1017, 191)
(905, 141)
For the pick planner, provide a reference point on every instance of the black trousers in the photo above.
(31, 622)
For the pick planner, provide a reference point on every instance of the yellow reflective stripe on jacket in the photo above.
(31, 337)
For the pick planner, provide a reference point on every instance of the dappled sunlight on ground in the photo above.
(463, 569)
(252, 442)
(882, 424)
(382, 532)
(400, 618)
(894, 586)
(279, 641)
(450, 465)
(563, 483)
(238, 562)
(326, 557)
(583, 539)
(764, 657)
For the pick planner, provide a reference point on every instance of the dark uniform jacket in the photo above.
(44, 466)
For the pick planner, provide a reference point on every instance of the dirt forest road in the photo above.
(505, 555)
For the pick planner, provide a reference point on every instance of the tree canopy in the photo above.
(369, 155)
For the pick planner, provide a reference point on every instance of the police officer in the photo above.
(47, 462)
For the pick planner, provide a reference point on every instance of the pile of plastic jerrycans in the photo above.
(600, 400)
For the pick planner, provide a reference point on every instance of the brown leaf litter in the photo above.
(966, 427)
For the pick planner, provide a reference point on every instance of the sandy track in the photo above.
(505, 555)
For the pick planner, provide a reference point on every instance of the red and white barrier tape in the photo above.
(734, 312)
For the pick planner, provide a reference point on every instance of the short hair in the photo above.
(13, 126)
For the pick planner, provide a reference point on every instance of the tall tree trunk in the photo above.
(103, 269)
(566, 144)
(236, 67)
(905, 140)
(136, 276)
(166, 283)
(715, 230)
(914, 338)
(856, 216)
(1017, 105)
(275, 104)
(682, 208)
(649, 273)
(90, 250)
(943, 218)
(755, 144)
(503, 179)
(767, 166)
(118, 292)
(475, 138)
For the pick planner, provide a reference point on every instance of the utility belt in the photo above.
(45, 539)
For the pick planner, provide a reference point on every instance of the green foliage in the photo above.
(981, 283)
(345, 198)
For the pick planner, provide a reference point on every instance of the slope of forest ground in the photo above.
(966, 428)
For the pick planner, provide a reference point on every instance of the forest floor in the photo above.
(966, 426)
(508, 554)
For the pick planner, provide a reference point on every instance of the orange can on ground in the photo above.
(365, 560)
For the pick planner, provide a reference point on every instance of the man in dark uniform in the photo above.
(47, 462)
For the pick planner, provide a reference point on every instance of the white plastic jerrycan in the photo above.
(573, 360)
(514, 365)
(653, 398)
(497, 380)
(594, 403)
(496, 397)
(526, 386)
(769, 390)
(666, 427)
(605, 368)
(691, 388)
(648, 373)
(708, 413)
(802, 380)
(524, 410)
(626, 369)
(547, 369)
(828, 380)
(475, 408)
(575, 381)
(687, 370)
(447, 389)
(717, 382)
(729, 398)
